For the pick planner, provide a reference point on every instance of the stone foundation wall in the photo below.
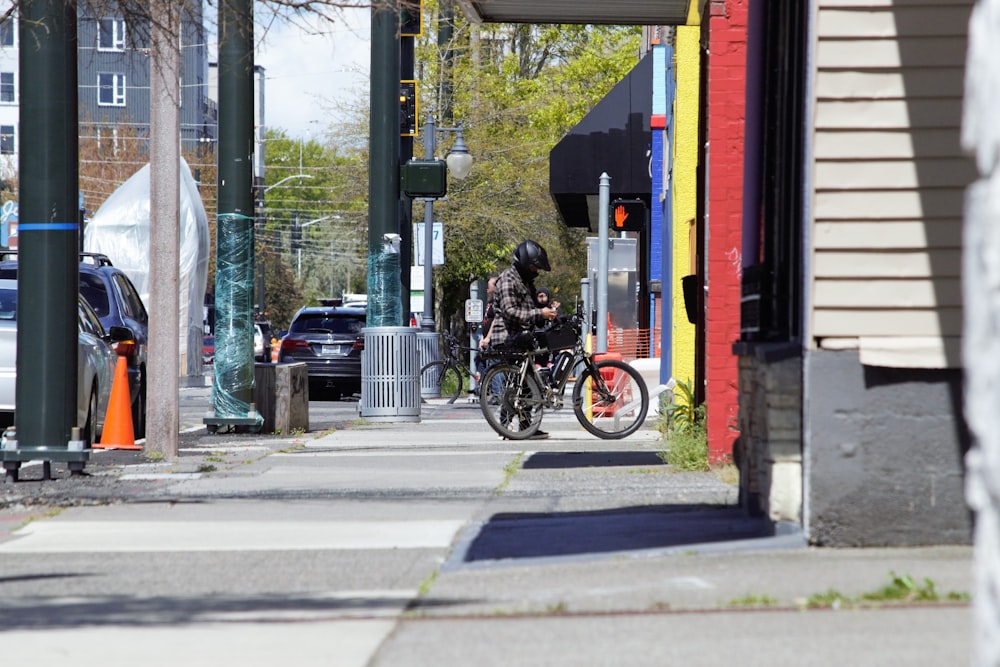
(769, 450)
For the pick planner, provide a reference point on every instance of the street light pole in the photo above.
(459, 163)
(427, 319)
(263, 192)
(298, 274)
(258, 184)
(285, 180)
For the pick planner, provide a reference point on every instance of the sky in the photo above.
(307, 68)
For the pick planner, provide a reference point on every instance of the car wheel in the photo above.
(90, 426)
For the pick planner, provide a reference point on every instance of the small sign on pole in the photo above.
(437, 250)
(473, 310)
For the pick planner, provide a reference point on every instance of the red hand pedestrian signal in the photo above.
(629, 215)
(620, 216)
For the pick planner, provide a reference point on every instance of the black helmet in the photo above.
(530, 254)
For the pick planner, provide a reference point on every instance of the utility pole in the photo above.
(232, 390)
(49, 231)
(164, 231)
(259, 189)
(406, 73)
(384, 306)
(604, 196)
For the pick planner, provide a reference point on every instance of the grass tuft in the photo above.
(682, 424)
(900, 589)
(509, 471)
(753, 600)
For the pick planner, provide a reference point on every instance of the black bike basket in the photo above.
(560, 335)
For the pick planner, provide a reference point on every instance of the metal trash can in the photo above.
(390, 375)
(429, 343)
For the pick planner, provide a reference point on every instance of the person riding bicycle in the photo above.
(516, 309)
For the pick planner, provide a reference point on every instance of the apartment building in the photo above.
(113, 80)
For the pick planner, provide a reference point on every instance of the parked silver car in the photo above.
(95, 364)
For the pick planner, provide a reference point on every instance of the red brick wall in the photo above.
(726, 61)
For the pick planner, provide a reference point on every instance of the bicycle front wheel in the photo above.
(512, 408)
(612, 402)
(441, 379)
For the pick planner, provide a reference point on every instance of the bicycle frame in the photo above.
(553, 394)
(609, 397)
(452, 347)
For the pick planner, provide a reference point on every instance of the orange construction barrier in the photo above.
(634, 343)
(275, 350)
(118, 433)
(609, 378)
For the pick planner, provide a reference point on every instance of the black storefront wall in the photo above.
(614, 138)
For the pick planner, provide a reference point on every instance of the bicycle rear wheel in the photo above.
(512, 408)
(443, 378)
(611, 403)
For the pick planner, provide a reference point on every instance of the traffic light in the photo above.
(628, 215)
(407, 108)
(409, 18)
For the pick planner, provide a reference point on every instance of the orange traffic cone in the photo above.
(118, 433)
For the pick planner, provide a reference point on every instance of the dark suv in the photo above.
(117, 303)
(329, 340)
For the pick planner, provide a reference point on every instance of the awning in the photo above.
(614, 138)
(616, 12)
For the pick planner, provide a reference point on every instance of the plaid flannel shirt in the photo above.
(516, 310)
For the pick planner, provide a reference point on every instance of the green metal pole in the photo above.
(384, 305)
(406, 69)
(446, 32)
(48, 238)
(232, 391)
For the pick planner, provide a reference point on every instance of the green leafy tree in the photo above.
(517, 91)
(315, 186)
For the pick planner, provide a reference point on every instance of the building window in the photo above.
(8, 91)
(8, 29)
(6, 139)
(110, 89)
(111, 35)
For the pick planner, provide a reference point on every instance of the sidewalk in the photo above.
(568, 551)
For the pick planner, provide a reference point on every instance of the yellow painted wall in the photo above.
(685, 198)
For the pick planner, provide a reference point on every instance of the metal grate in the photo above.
(390, 375)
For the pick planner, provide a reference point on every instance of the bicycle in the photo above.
(609, 397)
(448, 375)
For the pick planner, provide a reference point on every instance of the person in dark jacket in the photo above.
(516, 310)
(490, 312)
(542, 297)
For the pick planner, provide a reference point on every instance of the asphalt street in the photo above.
(435, 543)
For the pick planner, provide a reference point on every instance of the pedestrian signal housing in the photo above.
(424, 178)
(628, 215)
